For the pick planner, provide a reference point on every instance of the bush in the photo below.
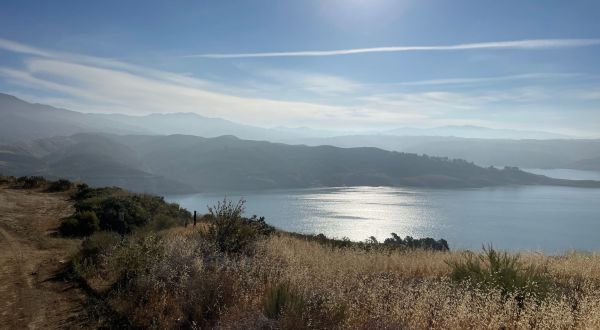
(82, 224)
(231, 232)
(502, 271)
(122, 212)
(60, 185)
(31, 182)
(85, 261)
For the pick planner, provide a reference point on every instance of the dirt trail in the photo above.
(31, 295)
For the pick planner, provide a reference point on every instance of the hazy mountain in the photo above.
(485, 152)
(181, 163)
(590, 164)
(23, 121)
(191, 124)
(94, 159)
(469, 131)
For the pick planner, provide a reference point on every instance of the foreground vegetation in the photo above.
(234, 272)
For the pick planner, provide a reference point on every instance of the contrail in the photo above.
(514, 44)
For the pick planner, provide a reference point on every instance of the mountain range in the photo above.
(23, 121)
(185, 163)
(141, 153)
(46, 121)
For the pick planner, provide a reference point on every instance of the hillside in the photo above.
(563, 153)
(590, 164)
(90, 158)
(183, 163)
(181, 277)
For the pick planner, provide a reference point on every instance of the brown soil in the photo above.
(32, 293)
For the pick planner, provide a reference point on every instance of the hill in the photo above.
(178, 276)
(24, 121)
(21, 121)
(184, 163)
(86, 157)
(590, 164)
(557, 153)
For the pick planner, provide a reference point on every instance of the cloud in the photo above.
(479, 80)
(531, 44)
(317, 83)
(21, 48)
(92, 84)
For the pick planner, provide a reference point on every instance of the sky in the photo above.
(358, 65)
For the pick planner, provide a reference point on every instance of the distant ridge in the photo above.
(470, 131)
(21, 121)
(185, 163)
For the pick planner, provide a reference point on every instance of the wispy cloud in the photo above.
(92, 84)
(480, 80)
(513, 44)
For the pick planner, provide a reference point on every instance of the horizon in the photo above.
(395, 131)
(346, 66)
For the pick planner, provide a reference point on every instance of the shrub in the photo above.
(502, 271)
(60, 185)
(137, 256)
(31, 182)
(84, 263)
(231, 232)
(122, 212)
(82, 224)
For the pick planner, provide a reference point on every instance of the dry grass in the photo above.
(190, 284)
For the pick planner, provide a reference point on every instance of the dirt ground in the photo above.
(32, 295)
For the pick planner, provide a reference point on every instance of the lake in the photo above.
(552, 219)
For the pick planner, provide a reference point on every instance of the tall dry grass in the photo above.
(179, 280)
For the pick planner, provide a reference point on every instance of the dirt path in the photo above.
(31, 296)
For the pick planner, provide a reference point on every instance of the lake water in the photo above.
(553, 219)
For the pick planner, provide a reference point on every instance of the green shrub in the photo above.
(136, 256)
(85, 261)
(122, 212)
(502, 271)
(230, 231)
(82, 224)
(60, 185)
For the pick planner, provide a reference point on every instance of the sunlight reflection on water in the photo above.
(536, 217)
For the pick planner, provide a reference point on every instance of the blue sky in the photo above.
(529, 65)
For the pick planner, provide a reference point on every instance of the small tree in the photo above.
(229, 231)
